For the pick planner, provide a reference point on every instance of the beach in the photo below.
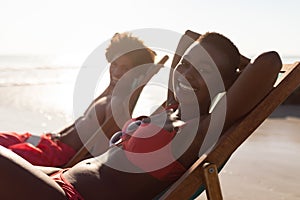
(266, 166)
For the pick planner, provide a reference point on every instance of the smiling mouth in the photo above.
(185, 87)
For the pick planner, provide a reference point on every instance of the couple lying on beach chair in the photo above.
(155, 151)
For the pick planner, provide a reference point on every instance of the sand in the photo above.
(267, 165)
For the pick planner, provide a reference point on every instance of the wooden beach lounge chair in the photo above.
(203, 174)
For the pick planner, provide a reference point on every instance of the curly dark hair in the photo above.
(134, 48)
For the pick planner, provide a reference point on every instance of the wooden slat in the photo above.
(188, 184)
(212, 183)
(184, 187)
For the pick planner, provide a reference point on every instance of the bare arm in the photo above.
(254, 83)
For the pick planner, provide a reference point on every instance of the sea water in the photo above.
(36, 95)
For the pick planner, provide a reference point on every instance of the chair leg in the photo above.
(212, 183)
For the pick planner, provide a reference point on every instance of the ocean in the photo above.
(37, 93)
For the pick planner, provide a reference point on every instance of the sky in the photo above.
(72, 27)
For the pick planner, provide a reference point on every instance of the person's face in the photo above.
(197, 79)
(119, 67)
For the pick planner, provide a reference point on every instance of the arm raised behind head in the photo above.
(254, 83)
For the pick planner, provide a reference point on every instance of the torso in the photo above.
(87, 125)
(94, 179)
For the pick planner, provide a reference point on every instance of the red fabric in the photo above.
(69, 189)
(46, 153)
(11, 138)
(149, 138)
